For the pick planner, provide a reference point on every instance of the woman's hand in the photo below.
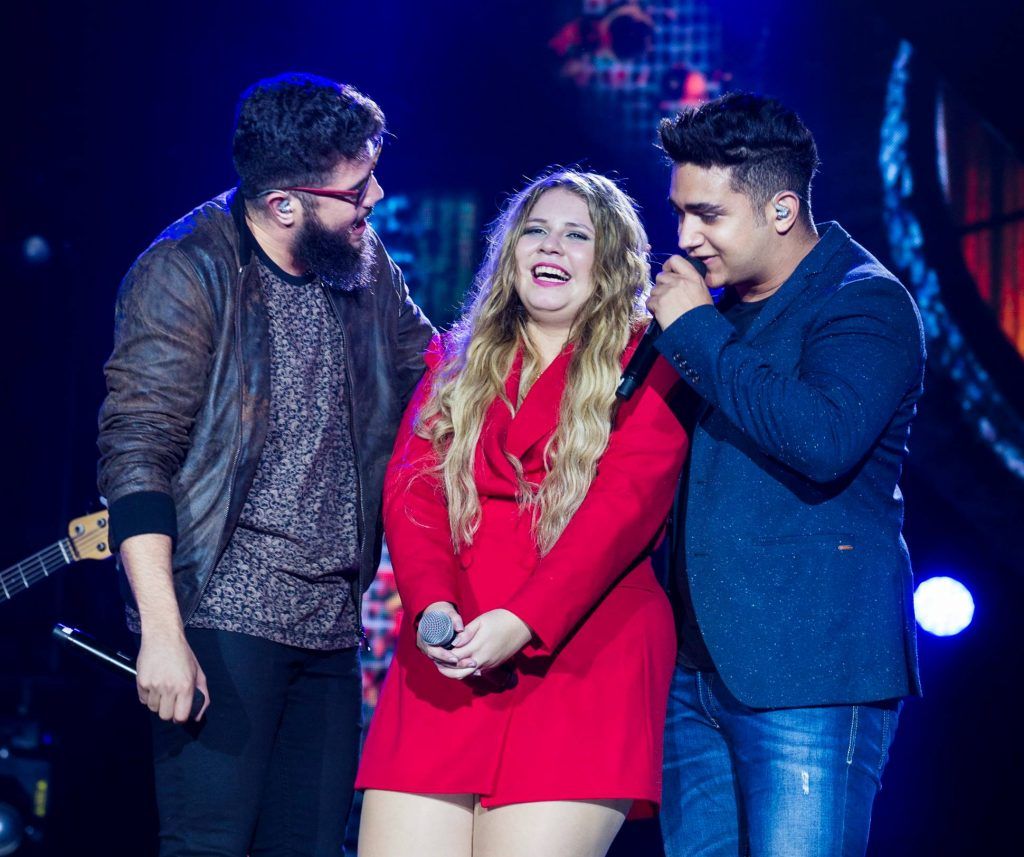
(490, 640)
(445, 660)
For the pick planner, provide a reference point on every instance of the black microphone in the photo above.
(645, 355)
(115, 660)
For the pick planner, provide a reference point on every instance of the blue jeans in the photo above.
(769, 783)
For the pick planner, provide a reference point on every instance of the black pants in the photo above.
(270, 770)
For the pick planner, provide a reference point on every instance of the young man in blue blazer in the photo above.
(792, 578)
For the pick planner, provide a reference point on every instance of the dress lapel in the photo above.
(537, 417)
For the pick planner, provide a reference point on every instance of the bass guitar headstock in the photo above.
(90, 536)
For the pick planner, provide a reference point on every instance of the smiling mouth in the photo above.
(549, 274)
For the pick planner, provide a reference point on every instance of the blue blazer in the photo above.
(789, 518)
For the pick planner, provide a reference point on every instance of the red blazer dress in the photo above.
(585, 719)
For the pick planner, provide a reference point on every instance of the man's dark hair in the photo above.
(765, 145)
(294, 129)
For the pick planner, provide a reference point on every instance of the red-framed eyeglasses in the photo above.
(353, 196)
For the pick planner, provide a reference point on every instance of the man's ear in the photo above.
(782, 211)
(279, 207)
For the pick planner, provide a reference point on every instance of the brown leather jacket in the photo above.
(188, 390)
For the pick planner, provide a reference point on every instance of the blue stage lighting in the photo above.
(36, 251)
(944, 606)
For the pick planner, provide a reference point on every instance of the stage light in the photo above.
(630, 32)
(12, 829)
(944, 606)
(36, 250)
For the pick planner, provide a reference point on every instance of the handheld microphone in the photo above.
(118, 661)
(437, 629)
(645, 355)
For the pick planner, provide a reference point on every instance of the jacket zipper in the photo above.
(361, 524)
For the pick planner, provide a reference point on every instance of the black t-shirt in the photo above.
(693, 652)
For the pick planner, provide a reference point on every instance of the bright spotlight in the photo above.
(12, 829)
(944, 606)
(36, 250)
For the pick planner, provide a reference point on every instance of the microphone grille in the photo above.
(436, 628)
(702, 269)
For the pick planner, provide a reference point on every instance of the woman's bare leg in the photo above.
(398, 824)
(563, 828)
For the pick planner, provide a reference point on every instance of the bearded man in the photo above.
(265, 348)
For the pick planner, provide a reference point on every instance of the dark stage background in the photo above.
(118, 119)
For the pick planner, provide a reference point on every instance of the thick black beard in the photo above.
(332, 258)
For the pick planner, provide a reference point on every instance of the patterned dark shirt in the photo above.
(287, 572)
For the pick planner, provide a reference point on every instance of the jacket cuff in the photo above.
(415, 600)
(142, 512)
(546, 634)
(692, 343)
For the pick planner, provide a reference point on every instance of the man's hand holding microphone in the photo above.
(678, 289)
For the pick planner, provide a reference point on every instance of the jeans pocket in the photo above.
(707, 701)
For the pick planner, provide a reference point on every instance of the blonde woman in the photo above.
(521, 502)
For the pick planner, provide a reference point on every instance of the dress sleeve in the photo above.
(618, 521)
(416, 511)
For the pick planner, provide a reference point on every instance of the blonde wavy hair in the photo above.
(482, 346)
